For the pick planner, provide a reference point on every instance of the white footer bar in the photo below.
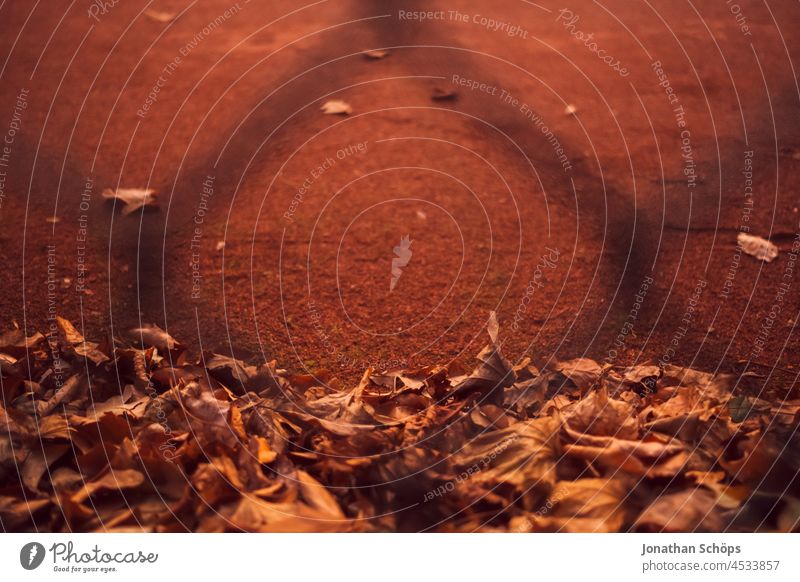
(400, 557)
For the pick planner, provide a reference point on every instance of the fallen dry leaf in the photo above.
(523, 455)
(159, 16)
(584, 505)
(597, 414)
(336, 107)
(690, 510)
(16, 343)
(132, 198)
(152, 335)
(757, 247)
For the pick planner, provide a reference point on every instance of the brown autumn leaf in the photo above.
(64, 394)
(78, 344)
(14, 511)
(262, 450)
(54, 427)
(308, 507)
(376, 54)
(728, 496)
(159, 16)
(38, 463)
(584, 505)
(111, 481)
(234, 374)
(15, 343)
(789, 518)
(583, 372)
(444, 94)
(652, 458)
(343, 408)
(523, 455)
(603, 500)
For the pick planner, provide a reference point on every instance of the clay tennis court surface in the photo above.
(275, 227)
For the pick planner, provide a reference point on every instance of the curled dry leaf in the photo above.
(16, 343)
(80, 347)
(234, 374)
(584, 505)
(582, 372)
(112, 481)
(597, 414)
(444, 94)
(523, 455)
(632, 457)
(494, 373)
(63, 395)
(376, 54)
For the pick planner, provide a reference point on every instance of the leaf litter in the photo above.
(135, 434)
(336, 107)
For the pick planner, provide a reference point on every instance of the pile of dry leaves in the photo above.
(131, 435)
